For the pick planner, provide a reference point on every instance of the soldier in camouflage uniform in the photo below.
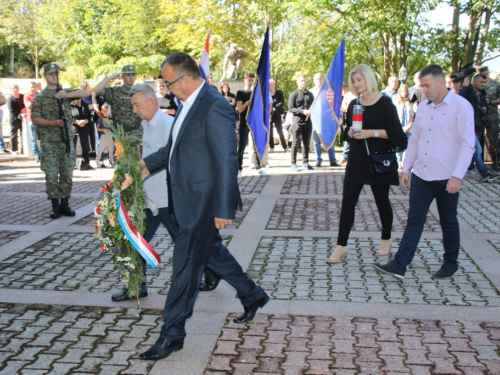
(55, 162)
(492, 89)
(119, 100)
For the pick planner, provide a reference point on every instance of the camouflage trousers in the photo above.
(492, 136)
(58, 168)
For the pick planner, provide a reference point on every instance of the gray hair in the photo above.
(182, 64)
(144, 89)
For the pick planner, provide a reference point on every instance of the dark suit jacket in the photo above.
(278, 103)
(204, 164)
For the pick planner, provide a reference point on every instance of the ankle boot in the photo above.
(65, 210)
(385, 247)
(56, 208)
(338, 255)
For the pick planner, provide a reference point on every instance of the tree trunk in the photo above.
(402, 48)
(469, 42)
(11, 64)
(387, 63)
(394, 54)
(402, 40)
(455, 53)
(477, 30)
(36, 63)
(484, 34)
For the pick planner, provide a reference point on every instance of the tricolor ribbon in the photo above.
(135, 238)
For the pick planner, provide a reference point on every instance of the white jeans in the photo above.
(106, 141)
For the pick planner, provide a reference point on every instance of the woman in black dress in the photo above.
(230, 97)
(382, 131)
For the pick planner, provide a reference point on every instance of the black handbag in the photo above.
(382, 163)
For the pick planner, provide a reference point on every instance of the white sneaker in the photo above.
(295, 168)
(262, 172)
(239, 174)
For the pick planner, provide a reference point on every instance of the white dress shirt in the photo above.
(184, 110)
(155, 136)
(442, 140)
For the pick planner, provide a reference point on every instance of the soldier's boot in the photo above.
(56, 208)
(65, 210)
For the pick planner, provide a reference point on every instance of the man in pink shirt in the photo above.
(33, 129)
(439, 152)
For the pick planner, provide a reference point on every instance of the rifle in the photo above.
(62, 115)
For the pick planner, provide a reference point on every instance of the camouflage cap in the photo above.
(50, 68)
(129, 69)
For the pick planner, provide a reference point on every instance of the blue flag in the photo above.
(325, 111)
(260, 108)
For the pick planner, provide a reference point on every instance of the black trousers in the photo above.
(15, 128)
(276, 120)
(301, 133)
(189, 261)
(92, 147)
(242, 144)
(84, 142)
(350, 198)
(153, 223)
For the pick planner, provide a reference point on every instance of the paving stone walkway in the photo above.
(56, 316)
(296, 344)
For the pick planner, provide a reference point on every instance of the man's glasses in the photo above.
(168, 84)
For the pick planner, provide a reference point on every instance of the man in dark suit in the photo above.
(202, 167)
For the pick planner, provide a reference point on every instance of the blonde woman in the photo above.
(382, 131)
(406, 116)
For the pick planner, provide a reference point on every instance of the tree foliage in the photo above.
(100, 36)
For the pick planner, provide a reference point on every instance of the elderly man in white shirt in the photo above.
(156, 130)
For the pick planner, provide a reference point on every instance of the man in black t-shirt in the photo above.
(15, 104)
(243, 104)
(299, 103)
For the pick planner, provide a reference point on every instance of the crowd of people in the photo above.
(430, 132)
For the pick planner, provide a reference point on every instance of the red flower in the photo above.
(102, 247)
(104, 188)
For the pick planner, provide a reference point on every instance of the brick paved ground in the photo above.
(295, 268)
(34, 210)
(56, 316)
(60, 340)
(74, 262)
(324, 214)
(6, 237)
(294, 344)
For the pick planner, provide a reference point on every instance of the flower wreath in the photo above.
(119, 214)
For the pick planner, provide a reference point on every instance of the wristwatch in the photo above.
(375, 134)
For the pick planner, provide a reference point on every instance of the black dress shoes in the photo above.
(209, 284)
(161, 349)
(122, 296)
(251, 310)
(446, 270)
(334, 164)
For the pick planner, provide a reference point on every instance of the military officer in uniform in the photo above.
(55, 161)
(119, 100)
(492, 89)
